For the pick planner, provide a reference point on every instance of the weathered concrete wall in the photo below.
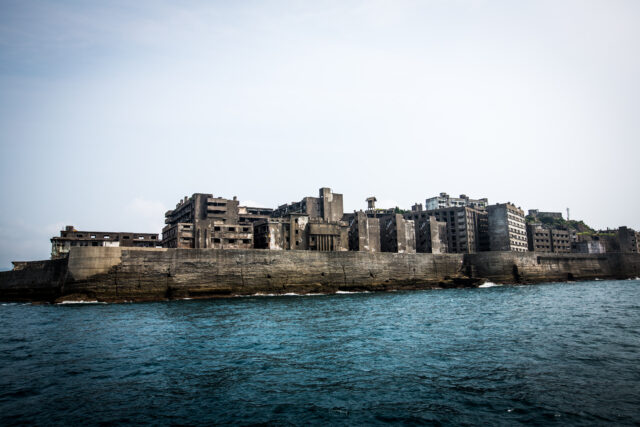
(116, 274)
(34, 281)
(157, 273)
(530, 267)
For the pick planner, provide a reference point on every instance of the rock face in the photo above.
(117, 274)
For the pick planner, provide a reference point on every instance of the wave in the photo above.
(82, 302)
(293, 294)
(488, 285)
(288, 294)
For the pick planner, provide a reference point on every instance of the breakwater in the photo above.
(145, 274)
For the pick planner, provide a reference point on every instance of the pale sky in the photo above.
(112, 111)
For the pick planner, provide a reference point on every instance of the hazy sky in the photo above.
(112, 111)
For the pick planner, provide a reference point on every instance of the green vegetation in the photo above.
(550, 222)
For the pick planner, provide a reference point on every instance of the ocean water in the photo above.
(564, 354)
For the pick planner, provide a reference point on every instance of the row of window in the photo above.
(108, 236)
(231, 241)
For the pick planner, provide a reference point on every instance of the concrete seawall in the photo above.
(116, 274)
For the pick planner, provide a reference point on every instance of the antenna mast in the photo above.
(568, 214)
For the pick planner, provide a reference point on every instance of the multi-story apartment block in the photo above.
(70, 237)
(314, 223)
(446, 201)
(507, 230)
(560, 240)
(466, 229)
(205, 221)
(541, 239)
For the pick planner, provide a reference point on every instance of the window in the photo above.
(126, 237)
(216, 240)
(140, 237)
(216, 228)
(106, 236)
(93, 236)
(232, 240)
(232, 229)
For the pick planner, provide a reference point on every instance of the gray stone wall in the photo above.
(116, 274)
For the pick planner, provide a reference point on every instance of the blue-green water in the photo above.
(549, 354)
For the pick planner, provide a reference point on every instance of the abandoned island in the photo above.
(213, 247)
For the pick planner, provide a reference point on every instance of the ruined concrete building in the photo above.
(507, 230)
(380, 230)
(629, 239)
(536, 214)
(445, 201)
(205, 221)
(314, 223)
(586, 244)
(397, 234)
(70, 237)
(465, 229)
(364, 232)
(431, 234)
(544, 239)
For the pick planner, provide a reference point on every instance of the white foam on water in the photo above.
(597, 279)
(186, 299)
(288, 294)
(637, 278)
(352, 292)
(82, 302)
(488, 285)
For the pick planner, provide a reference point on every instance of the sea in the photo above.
(551, 354)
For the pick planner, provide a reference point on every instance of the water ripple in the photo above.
(501, 355)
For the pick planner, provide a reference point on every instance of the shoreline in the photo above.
(71, 299)
(124, 274)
